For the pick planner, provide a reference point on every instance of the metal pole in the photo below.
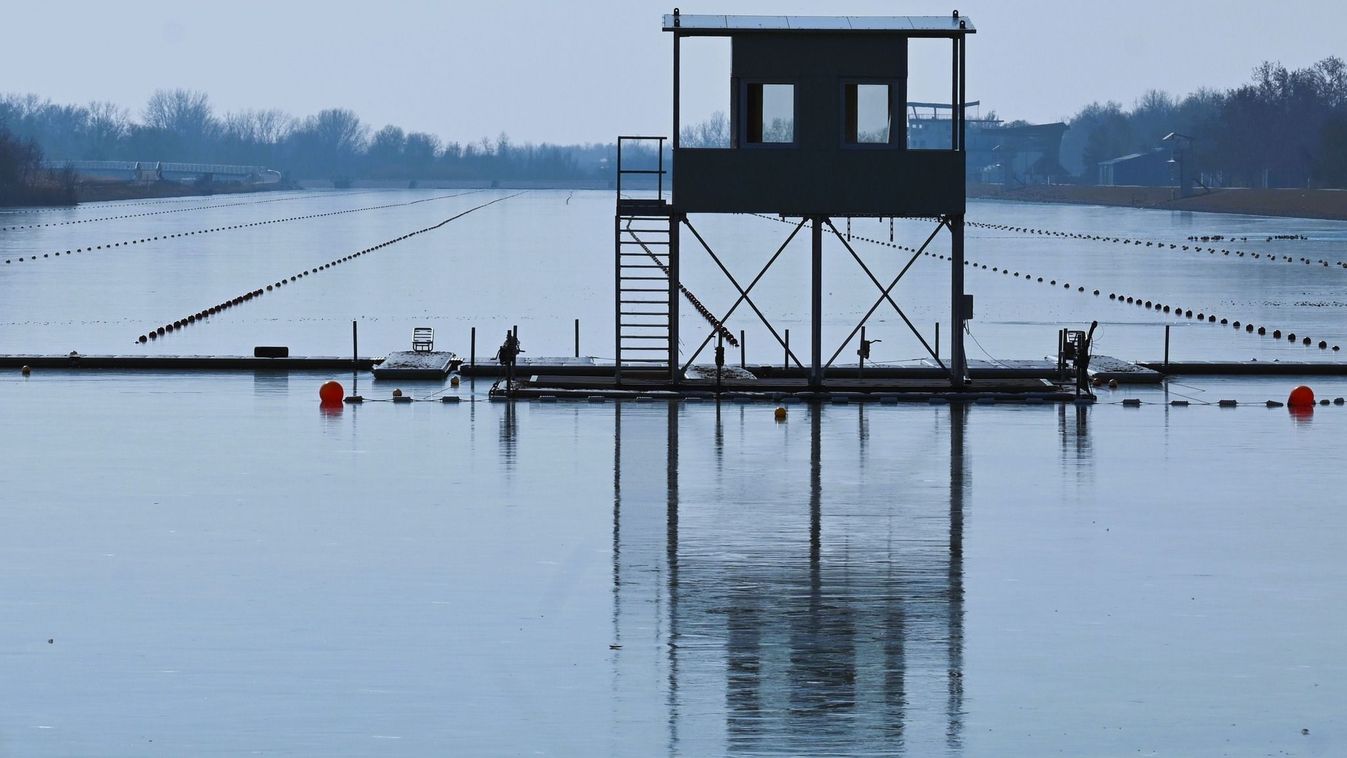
(816, 306)
(958, 368)
(677, 95)
(1166, 345)
(674, 220)
(954, 107)
(617, 284)
(937, 340)
(675, 227)
(785, 362)
(743, 351)
(720, 360)
(355, 344)
(963, 94)
(577, 338)
(472, 350)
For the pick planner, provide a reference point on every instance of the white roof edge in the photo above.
(728, 24)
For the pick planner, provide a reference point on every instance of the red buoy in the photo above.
(1301, 397)
(332, 393)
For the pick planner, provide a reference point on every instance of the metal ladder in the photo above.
(646, 259)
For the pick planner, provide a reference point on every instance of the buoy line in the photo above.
(1156, 305)
(1158, 245)
(228, 227)
(201, 315)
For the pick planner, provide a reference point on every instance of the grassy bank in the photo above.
(1298, 203)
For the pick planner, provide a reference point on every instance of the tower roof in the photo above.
(912, 26)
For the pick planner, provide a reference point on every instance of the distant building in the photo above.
(1152, 168)
(997, 153)
(1025, 154)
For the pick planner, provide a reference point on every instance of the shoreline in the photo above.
(96, 192)
(1319, 204)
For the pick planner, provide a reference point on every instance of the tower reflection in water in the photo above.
(799, 591)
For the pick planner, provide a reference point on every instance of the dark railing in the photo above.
(657, 172)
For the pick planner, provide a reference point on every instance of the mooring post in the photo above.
(355, 345)
(577, 338)
(743, 351)
(720, 360)
(785, 362)
(472, 350)
(860, 355)
(1166, 345)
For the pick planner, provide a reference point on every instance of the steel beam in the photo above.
(816, 304)
(958, 368)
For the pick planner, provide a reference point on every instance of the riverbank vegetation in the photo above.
(1285, 128)
(181, 125)
(23, 181)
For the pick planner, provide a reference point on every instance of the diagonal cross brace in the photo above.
(743, 293)
(884, 292)
(702, 309)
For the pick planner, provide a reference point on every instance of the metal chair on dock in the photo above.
(423, 339)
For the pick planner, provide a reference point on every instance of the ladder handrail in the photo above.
(660, 171)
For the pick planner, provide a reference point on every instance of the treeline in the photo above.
(181, 125)
(22, 178)
(1286, 128)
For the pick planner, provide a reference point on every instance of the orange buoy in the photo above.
(1301, 397)
(331, 393)
(780, 413)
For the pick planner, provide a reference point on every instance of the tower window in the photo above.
(869, 114)
(771, 113)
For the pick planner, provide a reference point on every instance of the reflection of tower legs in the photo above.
(617, 522)
(823, 644)
(645, 572)
(815, 499)
(671, 558)
(954, 638)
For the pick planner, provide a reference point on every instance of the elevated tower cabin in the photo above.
(798, 150)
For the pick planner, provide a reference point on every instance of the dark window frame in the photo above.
(743, 128)
(897, 125)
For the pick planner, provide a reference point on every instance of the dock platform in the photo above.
(841, 389)
(408, 364)
(1247, 368)
(1107, 368)
(188, 362)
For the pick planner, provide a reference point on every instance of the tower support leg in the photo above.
(816, 305)
(958, 365)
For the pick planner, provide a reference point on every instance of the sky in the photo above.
(587, 71)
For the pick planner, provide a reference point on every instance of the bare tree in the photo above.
(185, 113)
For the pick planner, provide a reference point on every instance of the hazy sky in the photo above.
(586, 71)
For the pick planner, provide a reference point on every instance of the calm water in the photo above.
(544, 258)
(222, 569)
